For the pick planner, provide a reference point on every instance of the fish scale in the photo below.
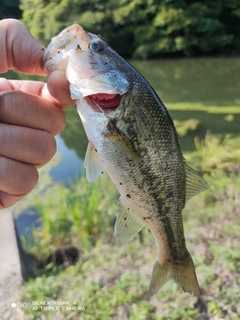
(132, 137)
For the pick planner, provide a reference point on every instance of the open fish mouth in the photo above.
(105, 101)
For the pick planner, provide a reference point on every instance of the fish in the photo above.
(131, 137)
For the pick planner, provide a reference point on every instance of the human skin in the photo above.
(31, 113)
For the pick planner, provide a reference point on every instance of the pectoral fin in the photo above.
(122, 142)
(127, 225)
(194, 183)
(93, 164)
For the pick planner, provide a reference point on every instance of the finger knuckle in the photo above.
(32, 178)
(27, 179)
(60, 121)
(7, 103)
(47, 147)
(17, 179)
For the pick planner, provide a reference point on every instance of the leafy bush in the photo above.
(143, 28)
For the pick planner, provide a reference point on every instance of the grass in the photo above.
(215, 153)
(77, 215)
(111, 280)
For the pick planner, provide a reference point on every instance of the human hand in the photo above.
(31, 113)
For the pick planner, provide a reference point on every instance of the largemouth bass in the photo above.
(132, 137)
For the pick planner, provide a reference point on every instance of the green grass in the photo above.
(81, 214)
(215, 153)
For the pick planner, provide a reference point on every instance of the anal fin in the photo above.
(127, 225)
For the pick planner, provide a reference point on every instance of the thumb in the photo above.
(19, 50)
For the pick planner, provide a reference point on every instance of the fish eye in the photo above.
(96, 46)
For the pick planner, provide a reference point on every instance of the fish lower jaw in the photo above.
(104, 102)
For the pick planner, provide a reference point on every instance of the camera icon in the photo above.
(19, 305)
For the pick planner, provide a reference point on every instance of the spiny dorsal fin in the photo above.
(93, 163)
(194, 183)
(127, 225)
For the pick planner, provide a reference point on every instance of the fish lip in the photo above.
(107, 105)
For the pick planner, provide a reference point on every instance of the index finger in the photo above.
(58, 86)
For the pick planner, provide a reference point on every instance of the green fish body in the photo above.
(132, 137)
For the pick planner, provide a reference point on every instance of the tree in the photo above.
(143, 28)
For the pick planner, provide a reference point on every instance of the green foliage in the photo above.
(216, 153)
(184, 127)
(143, 28)
(79, 215)
(42, 288)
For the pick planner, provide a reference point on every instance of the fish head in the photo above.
(92, 67)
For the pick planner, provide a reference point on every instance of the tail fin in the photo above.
(183, 274)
